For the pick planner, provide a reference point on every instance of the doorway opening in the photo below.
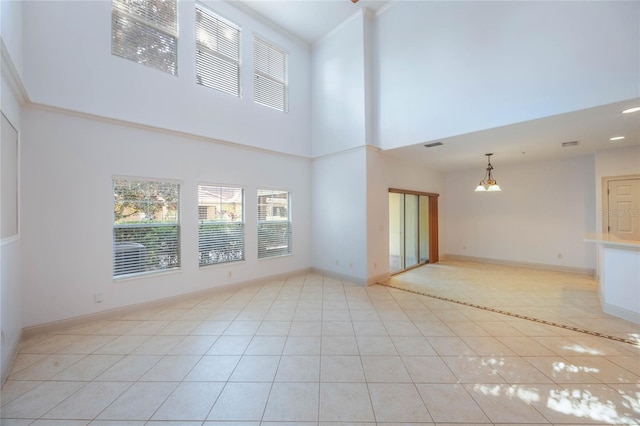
(413, 229)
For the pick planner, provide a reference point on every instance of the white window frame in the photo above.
(218, 58)
(137, 254)
(274, 231)
(266, 75)
(158, 27)
(213, 249)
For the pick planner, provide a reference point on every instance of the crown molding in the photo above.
(11, 74)
(268, 23)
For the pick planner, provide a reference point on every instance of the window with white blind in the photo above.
(221, 224)
(146, 31)
(270, 75)
(217, 52)
(146, 227)
(274, 223)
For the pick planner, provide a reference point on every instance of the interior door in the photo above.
(623, 208)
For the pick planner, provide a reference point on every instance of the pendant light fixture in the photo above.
(488, 183)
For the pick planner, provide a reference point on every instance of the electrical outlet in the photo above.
(559, 255)
(98, 297)
(230, 274)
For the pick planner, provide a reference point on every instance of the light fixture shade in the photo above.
(488, 184)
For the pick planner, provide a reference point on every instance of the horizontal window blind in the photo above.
(140, 248)
(160, 13)
(146, 31)
(274, 223)
(217, 52)
(220, 242)
(146, 229)
(221, 224)
(270, 75)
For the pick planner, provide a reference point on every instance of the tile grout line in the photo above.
(512, 314)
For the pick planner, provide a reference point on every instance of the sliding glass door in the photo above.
(423, 230)
(396, 232)
(409, 229)
(411, 237)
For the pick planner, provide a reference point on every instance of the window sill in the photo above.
(223, 264)
(145, 275)
(274, 257)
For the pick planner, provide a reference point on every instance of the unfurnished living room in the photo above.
(319, 212)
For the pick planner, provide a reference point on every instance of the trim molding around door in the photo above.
(408, 191)
(433, 229)
(605, 197)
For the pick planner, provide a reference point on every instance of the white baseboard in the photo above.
(337, 276)
(113, 313)
(7, 363)
(619, 312)
(379, 279)
(571, 269)
(356, 280)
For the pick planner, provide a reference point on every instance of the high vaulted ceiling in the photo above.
(307, 20)
(541, 139)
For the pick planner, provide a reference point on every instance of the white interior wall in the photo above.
(414, 177)
(449, 68)
(67, 210)
(81, 74)
(10, 288)
(10, 248)
(540, 217)
(377, 216)
(338, 81)
(339, 230)
(339, 138)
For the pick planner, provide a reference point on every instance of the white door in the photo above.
(623, 209)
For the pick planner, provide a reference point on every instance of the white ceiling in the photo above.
(307, 20)
(532, 140)
(310, 20)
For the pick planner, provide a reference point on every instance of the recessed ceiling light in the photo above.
(633, 109)
(616, 138)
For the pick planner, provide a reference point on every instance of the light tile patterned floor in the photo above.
(313, 350)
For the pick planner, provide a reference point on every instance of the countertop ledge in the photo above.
(611, 240)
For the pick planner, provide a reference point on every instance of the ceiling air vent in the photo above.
(431, 145)
(571, 143)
